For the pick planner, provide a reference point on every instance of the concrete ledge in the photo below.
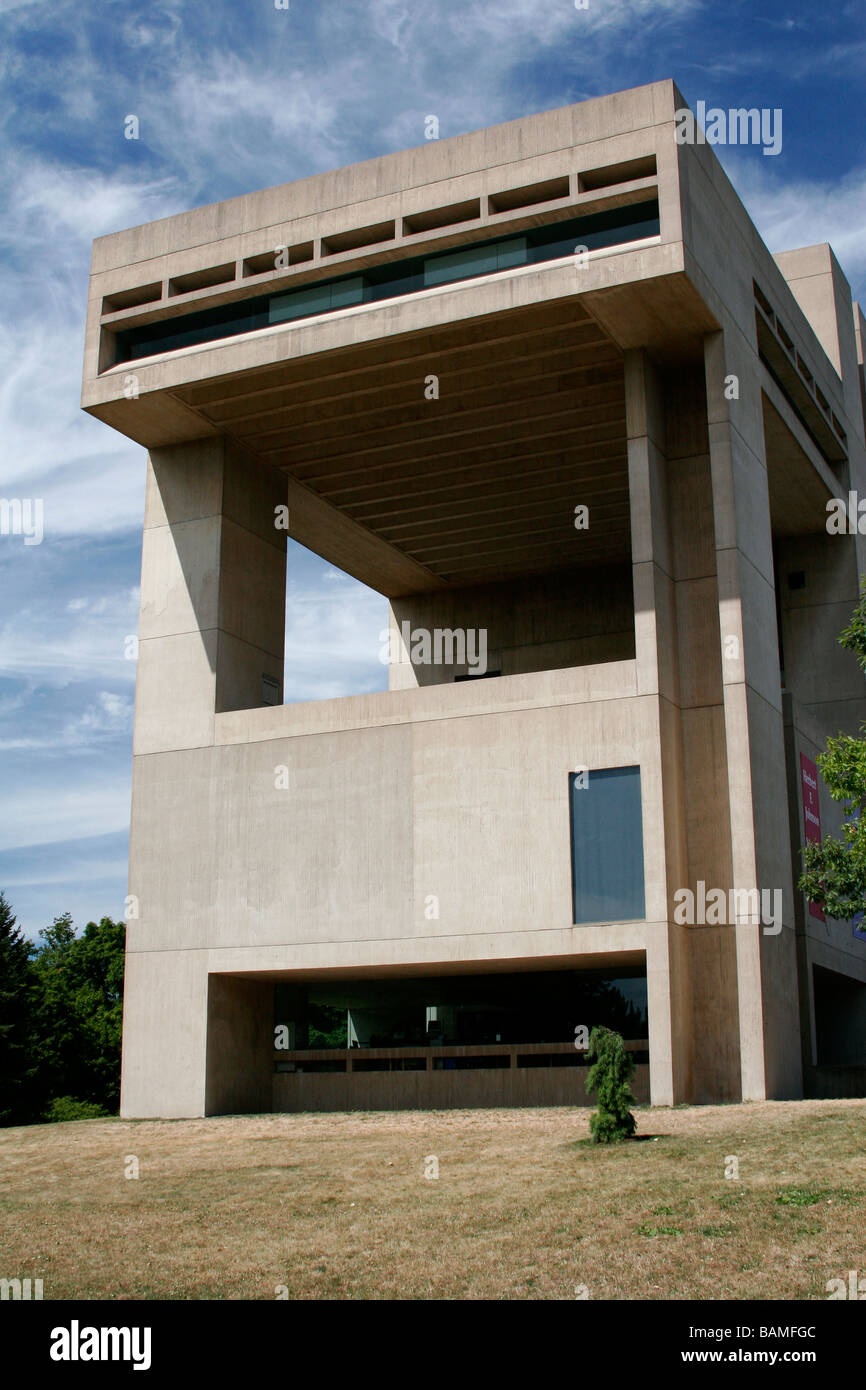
(575, 685)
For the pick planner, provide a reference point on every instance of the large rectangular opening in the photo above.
(840, 1018)
(455, 1041)
(514, 1009)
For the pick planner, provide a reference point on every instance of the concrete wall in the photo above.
(211, 626)
(239, 1041)
(213, 592)
(335, 870)
(581, 617)
(823, 293)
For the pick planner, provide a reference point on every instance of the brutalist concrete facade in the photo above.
(702, 398)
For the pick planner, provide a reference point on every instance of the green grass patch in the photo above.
(811, 1196)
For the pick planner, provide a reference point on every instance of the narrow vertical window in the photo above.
(607, 845)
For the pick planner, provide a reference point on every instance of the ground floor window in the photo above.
(512, 1008)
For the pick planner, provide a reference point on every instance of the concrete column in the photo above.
(240, 1042)
(211, 627)
(712, 1009)
(757, 801)
(658, 676)
(212, 592)
(164, 1030)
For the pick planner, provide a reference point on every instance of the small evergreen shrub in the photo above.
(68, 1108)
(610, 1078)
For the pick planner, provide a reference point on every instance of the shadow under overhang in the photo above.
(454, 455)
(798, 492)
(619, 961)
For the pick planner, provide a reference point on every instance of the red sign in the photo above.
(811, 816)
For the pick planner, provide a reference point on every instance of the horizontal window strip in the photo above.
(606, 229)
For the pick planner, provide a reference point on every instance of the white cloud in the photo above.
(48, 646)
(83, 874)
(90, 478)
(53, 202)
(332, 639)
(515, 28)
(804, 212)
(94, 804)
(109, 716)
(459, 58)
(270, 120)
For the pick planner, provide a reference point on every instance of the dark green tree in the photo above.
(80, 1010)
(834, 871)
(327, 1026)
(610, 1079)
(18, 1084)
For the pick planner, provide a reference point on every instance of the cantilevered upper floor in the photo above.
(298, 322)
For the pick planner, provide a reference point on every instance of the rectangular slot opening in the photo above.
(360, 236)
(367, 1064)
(784, 337)
(764, 302)
(278, 259)
(471, 1063)
(130, 299)
(202, 279)
(551, 1059)
(529, 194)
(804, 370)
(442, 217)
(612, 174)
(822, 400)
(838, 428)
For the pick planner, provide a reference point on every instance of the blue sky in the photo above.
(234, 97)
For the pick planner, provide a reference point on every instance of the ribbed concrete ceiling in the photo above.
(479, 485)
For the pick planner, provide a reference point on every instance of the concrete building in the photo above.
(543, 387)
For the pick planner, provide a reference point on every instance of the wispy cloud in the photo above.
(90, 479)
(84, 875)
(45, 641)
(109, 715)
(94, 803)
(803, 212)
(332, 632)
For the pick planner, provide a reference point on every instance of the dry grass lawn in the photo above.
(337, 1206)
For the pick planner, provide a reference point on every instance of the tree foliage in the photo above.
(17, 1004)
(610, 1078)
(61, 1005)
(834, 871)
